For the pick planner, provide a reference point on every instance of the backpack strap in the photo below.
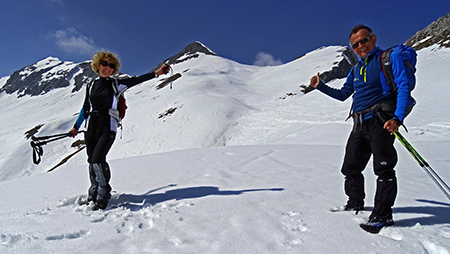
(115, 112)
(115, 86)
(89, 90)
(387, 70)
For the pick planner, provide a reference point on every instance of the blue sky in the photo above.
(143, 32)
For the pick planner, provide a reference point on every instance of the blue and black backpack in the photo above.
(409, 56)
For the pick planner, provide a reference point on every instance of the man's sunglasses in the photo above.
(363, 41)
(111, 65)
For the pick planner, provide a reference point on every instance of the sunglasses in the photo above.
(363, 41)
(111, 65)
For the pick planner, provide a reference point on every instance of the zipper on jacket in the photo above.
(363, 70)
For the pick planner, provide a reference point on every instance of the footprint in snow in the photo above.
(69, 236)
(294, 226)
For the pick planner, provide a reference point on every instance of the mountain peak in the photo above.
(190, 51)
(437, 33)
(198, 47)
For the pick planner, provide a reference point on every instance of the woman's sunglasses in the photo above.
(111, 65)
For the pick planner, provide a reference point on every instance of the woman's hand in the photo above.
(73, 132)
(164, 69)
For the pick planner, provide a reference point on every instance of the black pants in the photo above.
(99, 139)
(371, 139)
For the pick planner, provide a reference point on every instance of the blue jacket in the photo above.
(368, 84)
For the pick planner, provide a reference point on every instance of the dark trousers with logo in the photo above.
(99, 140)
(369, 139)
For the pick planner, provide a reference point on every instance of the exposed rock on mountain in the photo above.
(342, 68)
(190, 51)
(51, 73)
(437, 32)
(45, 75)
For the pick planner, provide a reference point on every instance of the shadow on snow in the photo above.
(137, 202)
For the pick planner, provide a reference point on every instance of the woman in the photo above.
(102, 126)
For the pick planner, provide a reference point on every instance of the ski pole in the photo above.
(48, 139)
(38, 142)
(424, 164)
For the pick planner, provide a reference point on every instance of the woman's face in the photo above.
(105, 69)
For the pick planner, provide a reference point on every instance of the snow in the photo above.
(422, 41)
(245, 164)
(40, 65)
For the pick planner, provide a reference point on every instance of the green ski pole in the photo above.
(424, 164)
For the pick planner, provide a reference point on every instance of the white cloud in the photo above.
(70, 40)
(264, 59)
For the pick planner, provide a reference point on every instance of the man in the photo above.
(373, 129)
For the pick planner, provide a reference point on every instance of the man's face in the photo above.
(362, 43)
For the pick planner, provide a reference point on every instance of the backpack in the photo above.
(409, 56)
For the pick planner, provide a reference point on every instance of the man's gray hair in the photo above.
(355, 29)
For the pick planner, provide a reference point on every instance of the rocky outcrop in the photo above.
(437, 33)
(342, 68)
(46, 75)
(339, 70)
(190, 51)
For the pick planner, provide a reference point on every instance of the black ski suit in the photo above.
(101, 130)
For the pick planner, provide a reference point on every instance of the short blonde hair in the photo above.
(105, 56)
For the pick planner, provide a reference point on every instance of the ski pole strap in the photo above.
(37, 152)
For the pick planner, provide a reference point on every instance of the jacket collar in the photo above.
(375, 51)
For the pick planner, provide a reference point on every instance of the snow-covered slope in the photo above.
(216, 102)
(233, 159)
